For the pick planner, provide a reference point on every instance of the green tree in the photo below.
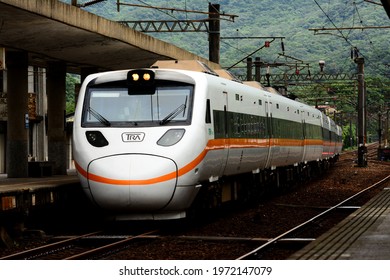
(71, 82)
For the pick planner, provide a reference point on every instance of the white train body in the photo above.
(145, 155)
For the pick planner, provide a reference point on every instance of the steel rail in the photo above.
(105, 248)
(283, 235)
(45, 248)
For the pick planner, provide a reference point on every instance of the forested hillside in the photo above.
(279, 18)
(302, 48)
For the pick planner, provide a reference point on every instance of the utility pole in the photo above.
(380, 129)
(249, 69)
(257, 69)
(214, 32)
(213, 28)
(362, 134)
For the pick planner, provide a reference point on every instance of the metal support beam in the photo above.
(168, 25)
(257, 69)
(362, 149)
(214, 32)
(301, 79)
(249, 69)
(348, 28)
(225, 16)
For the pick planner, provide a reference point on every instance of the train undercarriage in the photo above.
(253, 187)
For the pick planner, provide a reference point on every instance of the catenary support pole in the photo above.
(362, 135)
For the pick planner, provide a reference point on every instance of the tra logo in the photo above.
(133, 136)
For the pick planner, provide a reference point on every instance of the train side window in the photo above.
(208, 111)
(260, 102)
(277, 106)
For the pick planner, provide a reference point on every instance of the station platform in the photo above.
(19, 195)
(364, 235)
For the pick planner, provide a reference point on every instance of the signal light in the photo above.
(146, 77)
(141, 81)
(267, 44)
(140, 76)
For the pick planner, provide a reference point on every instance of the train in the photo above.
(148, 143)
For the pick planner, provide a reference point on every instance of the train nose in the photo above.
(124, 181)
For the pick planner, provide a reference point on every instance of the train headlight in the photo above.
(96, 138)
(141, 81)
(171, 137)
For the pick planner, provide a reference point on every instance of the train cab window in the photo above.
(110, 104)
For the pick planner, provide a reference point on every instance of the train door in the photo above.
(236, 128)
(271, 144)
(221, 133)
(305, 146)
(325, 136)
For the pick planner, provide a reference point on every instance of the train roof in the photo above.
(198, 66)
(195, 65)
(191, 65)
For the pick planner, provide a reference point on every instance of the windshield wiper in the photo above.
(174, 113)
(99, 117)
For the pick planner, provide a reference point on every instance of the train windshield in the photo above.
(107, 105)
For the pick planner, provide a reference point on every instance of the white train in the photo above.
(147, 140)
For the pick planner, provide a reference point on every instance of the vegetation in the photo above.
(281, 18)
(302, 48)
(71, 82)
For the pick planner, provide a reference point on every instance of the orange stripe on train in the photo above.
(214, 144)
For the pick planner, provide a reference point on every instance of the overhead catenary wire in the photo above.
(344, 36)
(332, 22)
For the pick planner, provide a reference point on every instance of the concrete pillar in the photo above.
(40, 85)
(17, 102)
(56, 106)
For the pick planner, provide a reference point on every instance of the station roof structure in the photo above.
(50, 30)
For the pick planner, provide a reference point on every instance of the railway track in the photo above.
(237, 231)
(87, 246)
(291, 234)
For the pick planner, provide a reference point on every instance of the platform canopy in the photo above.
(50, 30)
